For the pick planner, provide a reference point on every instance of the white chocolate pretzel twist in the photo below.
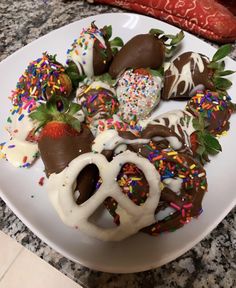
(132, 217)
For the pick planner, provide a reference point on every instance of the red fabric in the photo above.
(207, 18)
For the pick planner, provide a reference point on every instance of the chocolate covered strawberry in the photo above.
(92, 53)
(43, 78)
(215, 108)
(193, 71)
(61, 139)
(183, 132)
(203, 143)
(138, 92)
(144, 51)
(98, 101)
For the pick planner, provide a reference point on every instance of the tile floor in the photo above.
(21, 268)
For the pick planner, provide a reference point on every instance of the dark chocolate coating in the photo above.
(66, 84)
(101, 58)
(86, 182)
(152, 131)
(103, 103)
(165, 131)
(142, 51)
(58, 153)
(199, 78)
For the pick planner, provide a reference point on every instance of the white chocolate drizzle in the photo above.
(176, 119)
(110, 139)
(185, 75)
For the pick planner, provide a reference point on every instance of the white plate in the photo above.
(140, 252)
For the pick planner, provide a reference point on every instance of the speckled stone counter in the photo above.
(211, 263)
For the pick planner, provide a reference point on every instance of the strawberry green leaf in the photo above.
(200, 150)
(52, 57)
(177, 39)
(213, 146)
(222, 83)
(222, 52)
(42, 108)
(74, 107)
(40, 117)
(107, 31)
(216, 66)
(51, 106)
(73, 73)
(76, 125)
(114, 51)
(198, 123)
(65, 102)
(117, 42)
(226, 72)
(158, 73)
(156, 32)
(222, 66)
(106, 77)
(213, 65)
(72, 121)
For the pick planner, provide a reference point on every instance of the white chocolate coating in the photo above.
(18, 151)
(132, 217)
(138, 94)
(82, 52)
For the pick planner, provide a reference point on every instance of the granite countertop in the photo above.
(211, 263)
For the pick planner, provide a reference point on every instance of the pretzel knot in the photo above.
(132, 217)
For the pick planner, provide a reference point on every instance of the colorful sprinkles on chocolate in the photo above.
(133, 184)
(131, 180)
(118, 125)
(93, 32)
(40, 75)
(99, 104)
(216, 109)
(187, 202)
(39, 81)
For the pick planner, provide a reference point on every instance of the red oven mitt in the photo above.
(207, 18)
